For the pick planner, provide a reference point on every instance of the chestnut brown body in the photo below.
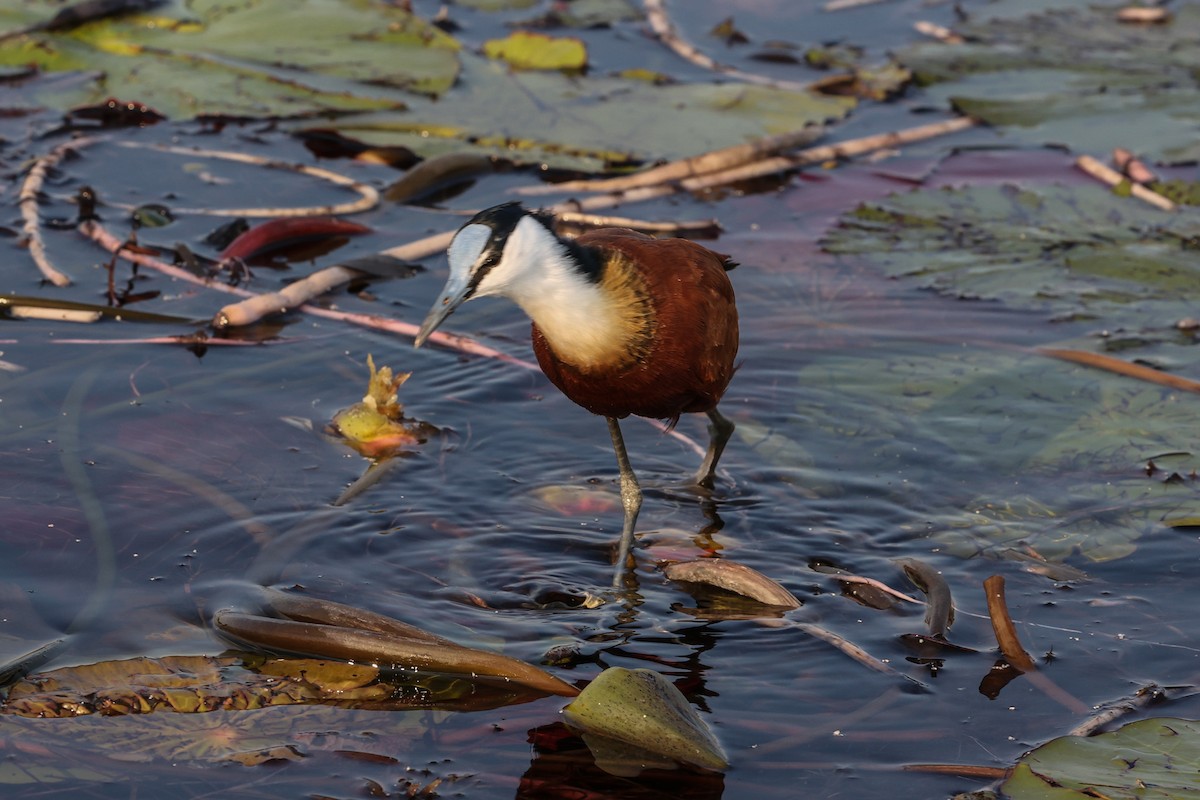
(679, 347)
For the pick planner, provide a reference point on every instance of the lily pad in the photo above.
(208, 57)
(1075, 76)
(1154, 759)
(546, 117)
(1075, 441)
(1069, 250)
(525, 50)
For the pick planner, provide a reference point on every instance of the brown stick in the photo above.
(1014, 653)
(1002, 626)
(1110, 364)
(960, 770)
(1110, 176)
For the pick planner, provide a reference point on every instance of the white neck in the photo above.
(580, 322)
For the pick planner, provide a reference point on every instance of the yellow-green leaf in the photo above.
(523, 50)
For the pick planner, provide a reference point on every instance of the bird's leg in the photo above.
(719, 431)
(631, 499)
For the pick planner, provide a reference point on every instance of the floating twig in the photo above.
(78, 315)
(842, 5)
(939, 32)
(95, 231)
(1114, 711)
(369, 196)
(1131, 166)
(1144, 15)
(880, 585)
(1111, 177)
(771, 166)
(255, 307)
(27, 199)
(296, 294)
(644, 225)
(1110, 364)
(664, 31)
(960, 770)
(703, 164)
(849, 648)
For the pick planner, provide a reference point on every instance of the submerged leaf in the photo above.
(648, 716)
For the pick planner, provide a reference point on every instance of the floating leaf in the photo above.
(215, 58)
(1075, 440)
(1078, 77)
(644, 712)
(288, 232)
(545, 117)
(397, 645)
(525, 50)
(733, 577)
(1154, 759)
(201, 684)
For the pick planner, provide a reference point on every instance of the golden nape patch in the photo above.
(633, 314)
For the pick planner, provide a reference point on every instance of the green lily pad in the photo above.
(1069, 250)
(1074, 442)
(546, 117)
(208, 57)
(525, 50)
(1154, 759)
(1075, 76)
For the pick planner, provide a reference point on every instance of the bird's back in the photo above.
(683, 358)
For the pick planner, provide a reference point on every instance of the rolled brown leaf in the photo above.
(1002, 626)
(350, 644)
(732, 577)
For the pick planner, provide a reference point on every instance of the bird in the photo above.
(622, 323)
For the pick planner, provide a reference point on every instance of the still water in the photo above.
(144, 486)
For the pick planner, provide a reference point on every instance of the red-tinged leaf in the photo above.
(287, 232)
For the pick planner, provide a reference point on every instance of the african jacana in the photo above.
(622, 323)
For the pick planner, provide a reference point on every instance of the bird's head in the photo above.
(495, 253)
